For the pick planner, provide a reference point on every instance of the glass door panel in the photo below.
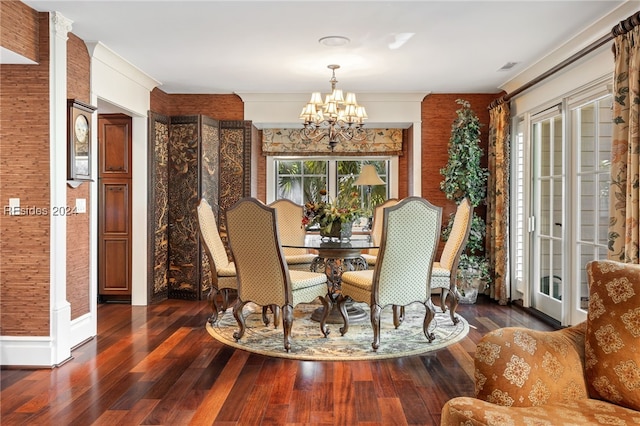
(592, 130)
(547, 203)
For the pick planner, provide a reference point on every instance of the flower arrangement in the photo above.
(325, 213)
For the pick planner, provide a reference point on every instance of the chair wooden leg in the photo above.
(443, 298)
(265, 315)
(225, 298)
(327, 306)
(429, 314)
(343, 312)
(375, 324)
(237, 314)
(287, 322)
(211, 299)
(398, 315)
(276, 315)
(453, 305)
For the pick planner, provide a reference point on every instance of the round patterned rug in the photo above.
(307, 342)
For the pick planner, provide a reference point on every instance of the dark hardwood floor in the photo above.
(157, 365)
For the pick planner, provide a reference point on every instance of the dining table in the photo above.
(334, 257)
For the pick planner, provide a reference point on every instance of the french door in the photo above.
(568, 205)
(548, 206)
(592, 129)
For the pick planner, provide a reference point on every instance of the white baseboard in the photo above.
(27, 351)
(82, 329)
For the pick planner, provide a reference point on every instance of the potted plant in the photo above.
(464, 177)
(334, 218)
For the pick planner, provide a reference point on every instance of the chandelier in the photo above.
(339, 117)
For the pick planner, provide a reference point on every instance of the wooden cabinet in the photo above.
(114, 207)
(191, 157)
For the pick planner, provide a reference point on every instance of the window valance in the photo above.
(290, 142)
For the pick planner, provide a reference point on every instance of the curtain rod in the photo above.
(622, 28)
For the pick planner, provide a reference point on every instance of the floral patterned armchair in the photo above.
(585, 374)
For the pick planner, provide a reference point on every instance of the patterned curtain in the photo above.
(291, 142)
(624, 232)
(497, 243)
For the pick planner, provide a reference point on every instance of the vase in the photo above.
(339, 231)
(468, 290)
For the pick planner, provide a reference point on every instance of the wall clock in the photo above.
(79, 146)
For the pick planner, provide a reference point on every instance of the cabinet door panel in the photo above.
(115, 150)
(114, 207)
(116, 199)
(115, 276)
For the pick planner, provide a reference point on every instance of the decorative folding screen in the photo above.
(190, 157)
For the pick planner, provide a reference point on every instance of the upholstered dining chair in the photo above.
(376, 229)
(402, 273)
(291, 230)
(223, 271)
(263, 275)
(445, 271)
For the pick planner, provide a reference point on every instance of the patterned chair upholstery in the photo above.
(411, 230)
(585, 374)
(291, 231)
(445, 272)
(376, 230)
(223, 272)
(263, 275)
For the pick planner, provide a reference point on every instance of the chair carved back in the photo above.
(213, 245)
(263, 277)
(411, 230)
(290, 225)
(376, 227)
(458, 237)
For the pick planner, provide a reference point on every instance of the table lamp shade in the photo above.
(368, 176)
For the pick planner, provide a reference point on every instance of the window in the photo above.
(301, 179)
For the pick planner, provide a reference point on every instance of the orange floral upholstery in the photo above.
(612, 359)
(585, 374)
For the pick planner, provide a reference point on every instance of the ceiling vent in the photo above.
(508, 66)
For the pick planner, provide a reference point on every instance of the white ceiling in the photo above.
(202, 46)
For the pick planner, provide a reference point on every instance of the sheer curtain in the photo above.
(497, 242)
(624, 194)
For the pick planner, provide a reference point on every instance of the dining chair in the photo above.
(376, 229)
(410, 233)
(263, 275)
(223, 271)
(445, 271)
(291, 231)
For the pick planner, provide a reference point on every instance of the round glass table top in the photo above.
(311, 241)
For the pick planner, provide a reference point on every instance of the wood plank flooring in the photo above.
(157, 365)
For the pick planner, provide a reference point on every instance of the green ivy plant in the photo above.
(465, 177)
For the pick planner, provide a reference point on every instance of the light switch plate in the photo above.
(14, 206)
(81, 205)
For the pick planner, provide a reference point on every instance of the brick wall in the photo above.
(24, 173)
(219, 107)
(78, 227)
(438, 113)
(22, 38)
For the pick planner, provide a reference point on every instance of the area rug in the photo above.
(307, 342)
